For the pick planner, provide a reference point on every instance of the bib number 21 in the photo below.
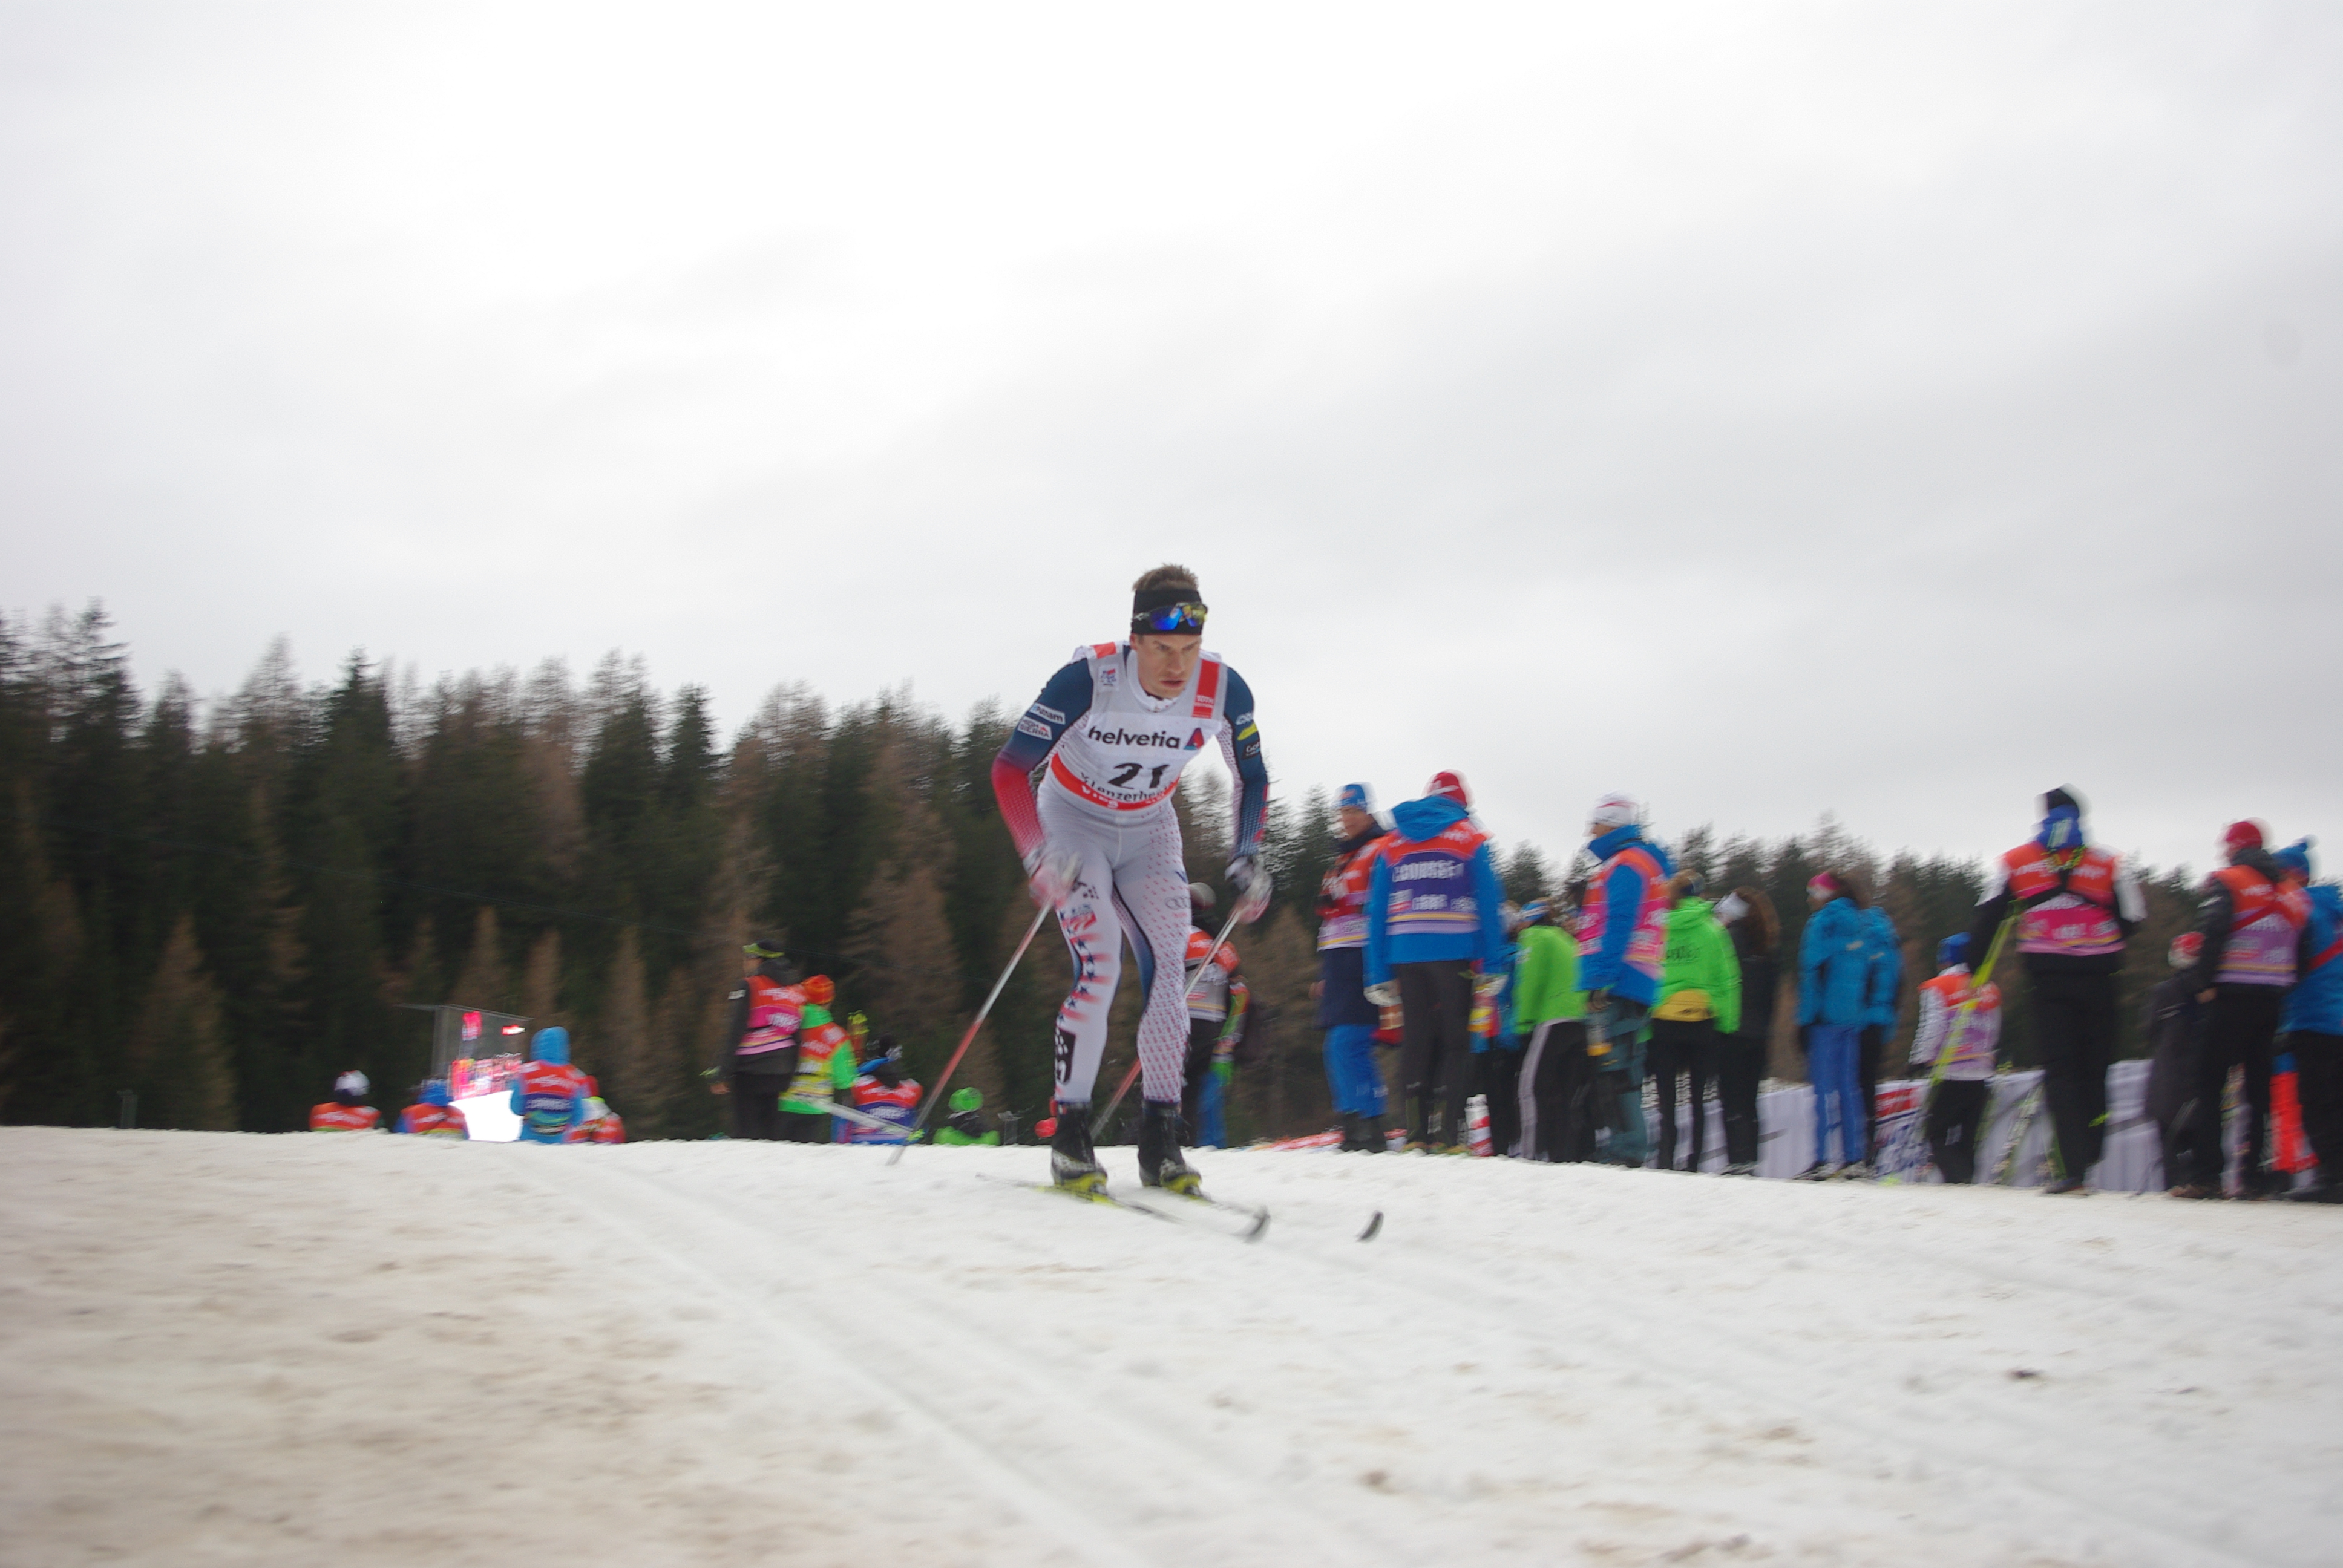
(1128, 771)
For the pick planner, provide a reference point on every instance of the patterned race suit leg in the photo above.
(1133, 886)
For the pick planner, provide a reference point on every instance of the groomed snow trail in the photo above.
(233, 1349)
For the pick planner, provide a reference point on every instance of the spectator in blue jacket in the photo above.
(1834, 999)
(1433, 924)
(1883, 1000)
(2312, 1028)
(1623, 941)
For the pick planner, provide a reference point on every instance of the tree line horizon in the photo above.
(219, 907)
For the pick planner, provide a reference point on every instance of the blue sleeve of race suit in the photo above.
(1240, 749)
(1030, 741)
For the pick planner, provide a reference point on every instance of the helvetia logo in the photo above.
(1195, 739)
(1132, 738)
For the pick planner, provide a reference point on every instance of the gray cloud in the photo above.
(1762, 412)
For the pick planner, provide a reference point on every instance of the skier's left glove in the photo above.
(1252, 882)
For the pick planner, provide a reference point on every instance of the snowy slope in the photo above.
(359, 1350)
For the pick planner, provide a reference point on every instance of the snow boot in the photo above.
(1161, 1163)
(1074, 1164)
(1371, 1135)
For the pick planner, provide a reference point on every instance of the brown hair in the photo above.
(1167, 575)
(1766, 925)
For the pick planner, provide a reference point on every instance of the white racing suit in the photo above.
(1115, 758)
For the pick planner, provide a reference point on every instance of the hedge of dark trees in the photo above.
(220, 906)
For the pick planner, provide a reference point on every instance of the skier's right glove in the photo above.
(1054, 872)
(1384, 995)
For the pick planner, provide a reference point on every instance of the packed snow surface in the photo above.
(361, 1349)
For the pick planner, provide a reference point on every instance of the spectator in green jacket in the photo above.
(1549, 1012)
(966, 1123)
(1700, 999)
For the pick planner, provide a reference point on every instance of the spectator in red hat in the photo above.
(2253, 922)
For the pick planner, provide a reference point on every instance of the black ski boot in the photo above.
(1161, 1163)
(1074, 1164)
(1353, 1140)
(1371, 1135)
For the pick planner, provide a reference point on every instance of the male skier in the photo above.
(1100, 843)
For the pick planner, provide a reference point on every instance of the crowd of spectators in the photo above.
(1563, 1017)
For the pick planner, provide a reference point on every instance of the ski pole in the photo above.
(1132, 1076)
(968, 1039)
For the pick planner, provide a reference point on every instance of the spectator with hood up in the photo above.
(549, 1096)
(431, 1116)
(1623, 944)
(1433, 926)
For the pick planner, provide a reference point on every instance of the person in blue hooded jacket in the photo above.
(1883, 999)
(1622, 942)
(2312, 1028)
(1833, 1001)
(1434, 922)
(549, 1095)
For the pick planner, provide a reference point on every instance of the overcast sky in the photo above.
(1885, 410)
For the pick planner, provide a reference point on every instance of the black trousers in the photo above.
(1740, 1066)
(803, 1127)
(1558, 1091)
(757, 1104)
(1685, 1046)
(1435, 1002)
(1956, 1116)
(2240, 1031)
(2318, 1079)
(2074, 1031)
(1500, 1073)
(1867, 1048)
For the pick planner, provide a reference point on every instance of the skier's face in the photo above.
(1354, 821)
(1166, 660)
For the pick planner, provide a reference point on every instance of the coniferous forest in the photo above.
(218, 906)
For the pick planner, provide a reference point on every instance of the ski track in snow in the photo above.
(235, 1348)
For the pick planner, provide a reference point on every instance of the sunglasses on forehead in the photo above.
(1170, 618)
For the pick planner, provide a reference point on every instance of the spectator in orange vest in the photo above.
(348, 1111)
(549, 1095)
(2074, 903)
(2252, 926)
(431, 1116)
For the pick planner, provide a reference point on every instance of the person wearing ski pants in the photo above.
(1349, 1019)
(1550, 1010)
(1700, 999)
(1622, 947)
(2253, 929)
(1748, 916)
(1435, 931)
(2175, 1029)
(2312, 1026)
(1955, 1042)
(2073, 904)
(1834, 974)
(759, 1055)
(1109, 736)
